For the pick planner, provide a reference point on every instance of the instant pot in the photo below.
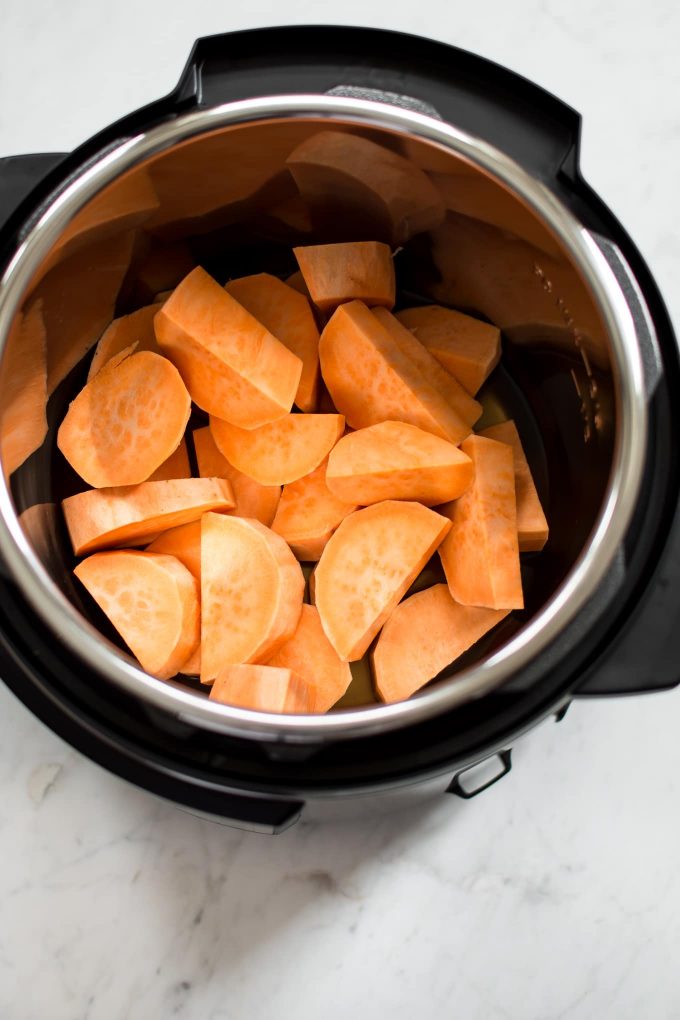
(514, 235)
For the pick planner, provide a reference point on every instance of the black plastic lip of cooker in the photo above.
(634, 647)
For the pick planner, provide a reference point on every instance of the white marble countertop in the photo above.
(553, 896)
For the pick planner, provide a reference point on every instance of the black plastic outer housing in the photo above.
(635, 646)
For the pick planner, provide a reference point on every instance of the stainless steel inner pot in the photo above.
(495, 242)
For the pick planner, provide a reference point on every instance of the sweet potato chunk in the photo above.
(262, 688)
(357, 270)
(297, 281)
(136, 328)
(426, 633)
(466, 347)
(192, 667)
(175, 466)
(281, 452)
(394, 460)
(480, 554)
(232, 365)
(308, 514)
(251, 499)
(367, 566)
(134, 514)
(251, 593)
(311, 656)
(126, 421)
(370, 380)
(182, 542)
(432, 372)
(532, 527)
(151, 600)
(288, 316)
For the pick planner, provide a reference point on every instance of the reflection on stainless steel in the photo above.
(486, 269)
(357, 188)
(155, 267)
(222, 183)
(434, 160)
(481, 198)
(41, 526)
(78, 298)
(223, 178)
(23, 389)
(125, 205)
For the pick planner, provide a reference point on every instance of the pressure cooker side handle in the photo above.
(19, 175)
(645, 654)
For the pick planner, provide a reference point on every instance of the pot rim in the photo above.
(589, 570)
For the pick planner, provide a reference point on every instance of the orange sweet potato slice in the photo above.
(151, 600)
(308, 513)
(367, 566)
(282, 452)
(182, 542)
(311, 656)
(425, 634)
(297, 281)
(126, 421)
(370, 380)
(356, 270)
(175, 466)
(532, 526)
(480, 554)
(262, 688)
(288, 316)
(116, 359)
(466, 347)
(232, 365)
(251, 499)
(192, 667)
(136, 328)
(430, 369)
(394, 460)
(134, 514)
(251, 593)
(23, 383)
(325, 404)
(347, 178)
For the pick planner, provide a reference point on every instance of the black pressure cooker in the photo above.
(590, 369)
